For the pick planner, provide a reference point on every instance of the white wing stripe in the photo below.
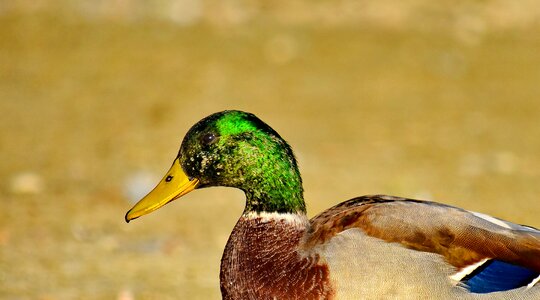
(533, 283)
(492, 220)
(457, 277)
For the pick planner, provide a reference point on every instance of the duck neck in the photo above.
(274, 201)
(275, 188)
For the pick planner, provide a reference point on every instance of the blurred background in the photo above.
(431, 100)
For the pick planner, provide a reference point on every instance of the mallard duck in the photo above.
(370, 247)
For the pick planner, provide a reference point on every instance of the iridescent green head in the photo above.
(233, 149)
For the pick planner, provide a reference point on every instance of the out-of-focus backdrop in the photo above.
(432, 100)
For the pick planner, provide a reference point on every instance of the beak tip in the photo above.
(127, 218)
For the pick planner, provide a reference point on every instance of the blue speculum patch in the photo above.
(495, 276)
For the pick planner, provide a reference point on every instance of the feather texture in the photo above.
(488, 254)
(458, 235)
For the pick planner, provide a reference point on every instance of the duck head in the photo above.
(232, 149)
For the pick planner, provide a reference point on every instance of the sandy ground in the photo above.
(93, 112)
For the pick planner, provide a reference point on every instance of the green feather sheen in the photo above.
(262, 164)
(233, 123)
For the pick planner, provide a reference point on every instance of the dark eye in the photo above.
(208, 138)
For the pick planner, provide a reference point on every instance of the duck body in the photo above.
(344, 253)
(370, 247)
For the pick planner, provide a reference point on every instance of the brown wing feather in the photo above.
(458, 235)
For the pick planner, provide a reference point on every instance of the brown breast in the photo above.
(261, 261)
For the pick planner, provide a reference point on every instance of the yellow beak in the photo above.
(174, 185)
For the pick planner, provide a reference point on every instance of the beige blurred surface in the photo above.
(416, 100)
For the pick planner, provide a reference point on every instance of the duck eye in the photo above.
(208, 138)
(169, 178)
